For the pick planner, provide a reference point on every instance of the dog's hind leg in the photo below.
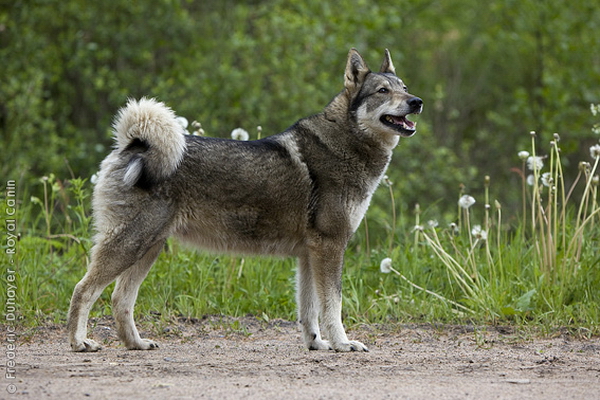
(124, 296)
(102, 271)
(308, 307)
(84, 296)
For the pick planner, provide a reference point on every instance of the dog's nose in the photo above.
(415, 103)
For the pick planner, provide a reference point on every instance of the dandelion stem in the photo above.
(524, 190)
(393, 232)
(367, 247)
(417, 222)
(432, 293)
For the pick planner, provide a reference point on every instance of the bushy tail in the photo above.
(149, 130)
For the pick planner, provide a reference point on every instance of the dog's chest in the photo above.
(358, 205)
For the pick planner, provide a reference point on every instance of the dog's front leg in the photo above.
(308, 307)
(326, 265)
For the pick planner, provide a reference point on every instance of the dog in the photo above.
(300, 193)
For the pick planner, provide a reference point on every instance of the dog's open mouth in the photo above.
(400, 124)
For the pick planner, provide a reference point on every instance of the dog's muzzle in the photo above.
(402, 125)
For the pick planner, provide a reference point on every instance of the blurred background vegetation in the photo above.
(489, 73)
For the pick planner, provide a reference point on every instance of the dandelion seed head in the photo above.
(530, 180)
(479, 233)
(594, 108)
(453, 228)
(523, 155)
(595, 151)
(94, 179)
(535, 163)
(432, 223)
(197, 129)
(239, 134)
(386, 265)
(547, 179)
(182, 121)
(595, 180)
(418, 228)
(466, 201)
(584, 166)
(386, 181)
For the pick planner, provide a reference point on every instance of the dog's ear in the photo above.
(356, 70)
(387, 66)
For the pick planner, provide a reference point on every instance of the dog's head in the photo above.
(380, 100)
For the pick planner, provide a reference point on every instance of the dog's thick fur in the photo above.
(299, 193)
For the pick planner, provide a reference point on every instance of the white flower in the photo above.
(479, 233)
(466, 201)
(547, 179)
(182, 121)
(595, 151)
(535, 163)
(239, 134)
(523, 155)
(386, 265)
(595, 109)
(530, 180)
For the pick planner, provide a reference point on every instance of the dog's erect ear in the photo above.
(356, 70)
(387, 66)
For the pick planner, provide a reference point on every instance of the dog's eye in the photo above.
(405, 89)
(383, 90)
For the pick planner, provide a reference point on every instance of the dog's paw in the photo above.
(143, 344)
(352, 345)
(319, 344)
(87, 345)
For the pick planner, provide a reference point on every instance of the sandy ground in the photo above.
(220, 358)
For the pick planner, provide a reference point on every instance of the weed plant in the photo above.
(544, 270)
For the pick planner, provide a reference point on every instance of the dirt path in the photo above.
(239, 359)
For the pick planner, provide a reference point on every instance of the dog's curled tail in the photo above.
(150, 131)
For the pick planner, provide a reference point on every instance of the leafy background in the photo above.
(489, 72)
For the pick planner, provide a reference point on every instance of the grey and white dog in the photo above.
(299, 193)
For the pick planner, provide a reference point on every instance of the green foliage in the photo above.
(488, 72)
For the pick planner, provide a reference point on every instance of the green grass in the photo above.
(539, 269)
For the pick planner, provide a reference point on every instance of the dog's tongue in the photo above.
(403, 121)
